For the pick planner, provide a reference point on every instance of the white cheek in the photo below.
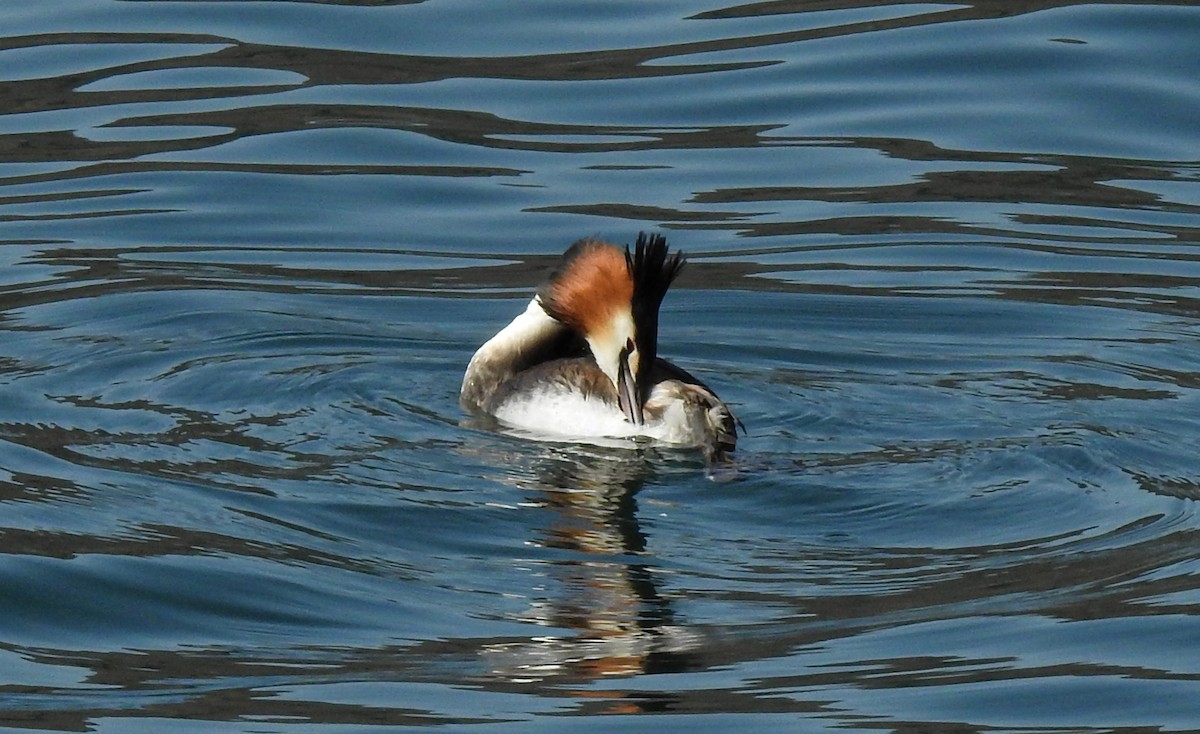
(608, 354)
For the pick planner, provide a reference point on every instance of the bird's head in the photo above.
(612, 297)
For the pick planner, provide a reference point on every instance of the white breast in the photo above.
(565, 414)
(556, 414)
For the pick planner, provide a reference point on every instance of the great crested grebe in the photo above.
(582, 360)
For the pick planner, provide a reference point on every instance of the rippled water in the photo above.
(944, 264)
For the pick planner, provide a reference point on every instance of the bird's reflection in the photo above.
(601, 604)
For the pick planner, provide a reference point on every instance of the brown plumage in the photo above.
(589, 287)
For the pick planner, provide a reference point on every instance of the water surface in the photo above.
(943, 265)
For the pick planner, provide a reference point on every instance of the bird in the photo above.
(581, 361)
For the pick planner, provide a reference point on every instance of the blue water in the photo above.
(943, 264)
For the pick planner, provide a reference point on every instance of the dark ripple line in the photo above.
(69, 444)
(112, 168)
(99, 272)
(1069, 185)
(156, 540)
(338, 67)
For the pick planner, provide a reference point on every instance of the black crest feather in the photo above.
(653, 269)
